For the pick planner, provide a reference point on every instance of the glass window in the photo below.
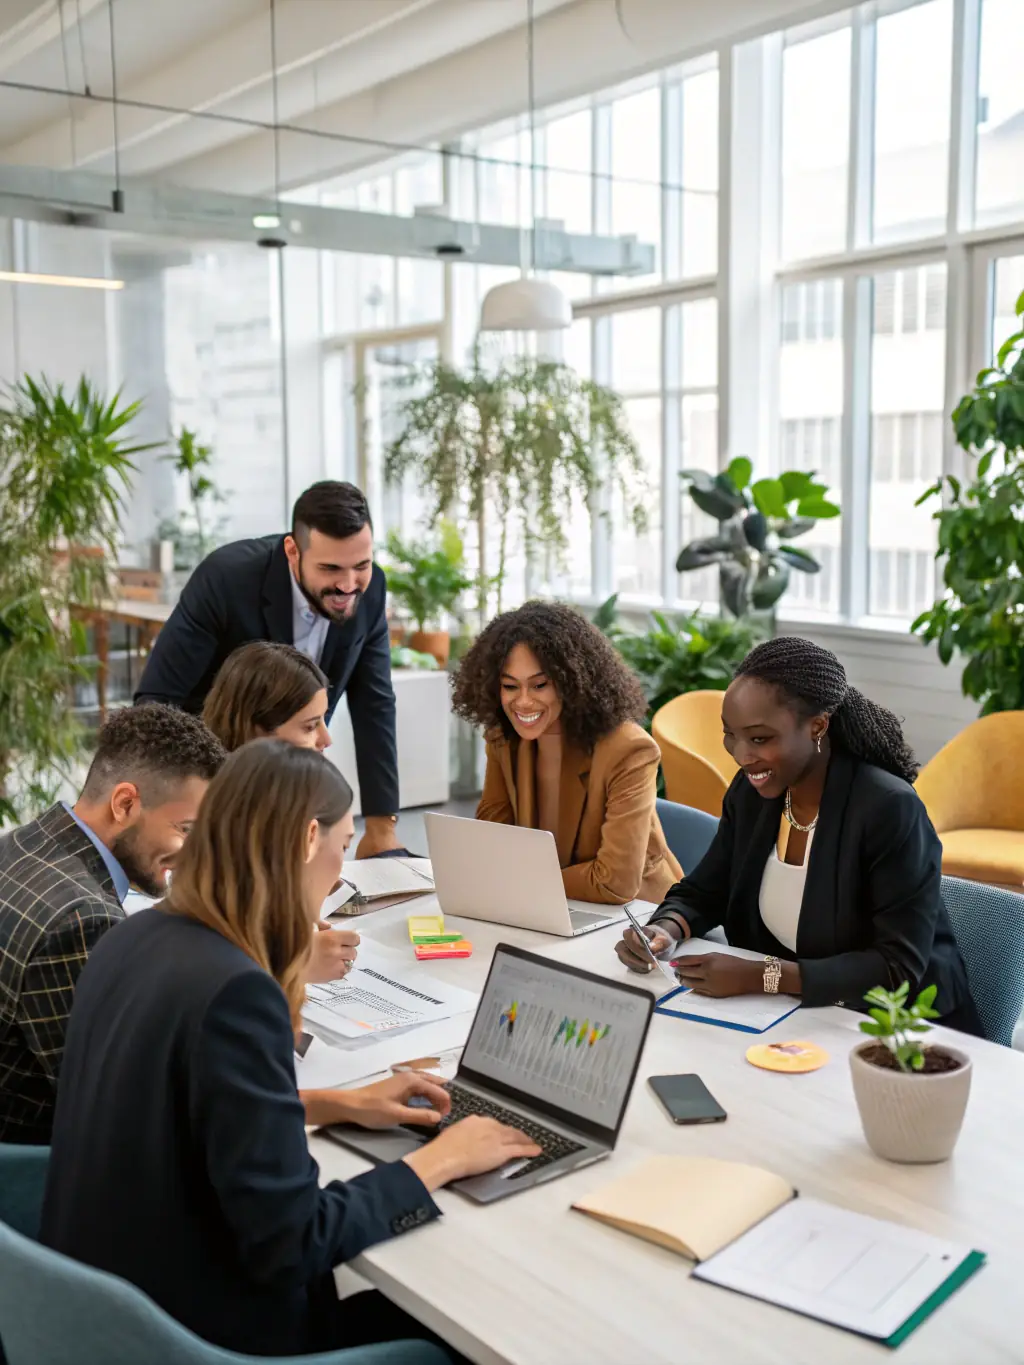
(815, 145)
(907, 401)
(700, 174)
(913, 81)
(636, 351)
(636, 374)
(1008, 285)
(636, 173)
(999, 180)
(810, 419)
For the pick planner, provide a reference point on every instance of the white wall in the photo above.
(901, 673)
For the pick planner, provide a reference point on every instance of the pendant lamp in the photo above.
(527, 304)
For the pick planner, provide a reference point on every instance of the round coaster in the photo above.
(792, 1057)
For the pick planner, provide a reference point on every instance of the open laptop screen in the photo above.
(563, 1037)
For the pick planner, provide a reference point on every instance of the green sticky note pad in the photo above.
(423, 927)
(436, 938)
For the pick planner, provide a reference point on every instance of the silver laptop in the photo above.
(554, 1051)
(507, 875)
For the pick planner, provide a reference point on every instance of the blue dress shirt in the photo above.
(117, 873)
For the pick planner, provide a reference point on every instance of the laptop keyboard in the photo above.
(553, 1145)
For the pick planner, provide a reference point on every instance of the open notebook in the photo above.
(750, 1234)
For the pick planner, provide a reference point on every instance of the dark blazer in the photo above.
(872, 912)
(179, 1157)
(243, 592)
(56, 902)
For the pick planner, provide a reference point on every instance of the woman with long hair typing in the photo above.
(179, 1157)
(825, 861)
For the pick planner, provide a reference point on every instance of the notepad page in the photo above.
(845, 1268)
(756, 1013)
(695, 1205)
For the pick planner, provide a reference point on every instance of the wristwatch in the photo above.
(772, 975)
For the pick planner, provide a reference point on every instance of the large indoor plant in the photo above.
(65, 463)
(911, 1096)
(980, 615)
(426, 581)
(757, 522)
(512, 446)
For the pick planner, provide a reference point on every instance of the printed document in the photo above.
(381, 993)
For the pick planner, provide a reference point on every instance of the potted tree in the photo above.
(512, 447)
(980, 615)
(426, 581)
(911, 1096)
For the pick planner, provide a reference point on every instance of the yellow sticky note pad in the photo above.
(425, 926)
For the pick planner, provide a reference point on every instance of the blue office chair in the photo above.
(988, 924)
(22, 1181)
(52, 1309)
(689, 832)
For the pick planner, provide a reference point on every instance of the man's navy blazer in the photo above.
(243, 592)
(179, 1158)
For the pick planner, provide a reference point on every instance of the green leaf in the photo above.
(755, 528)
(607, 613)
(769, 498)
(771, 582)
(796, 485)
(739, 471)
(820, 509)
(985, 463)
(926, 999)
(799, 559)
(875, 1030)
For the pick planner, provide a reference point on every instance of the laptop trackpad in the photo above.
(390, 1145)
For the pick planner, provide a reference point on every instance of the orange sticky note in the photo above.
(426, 952)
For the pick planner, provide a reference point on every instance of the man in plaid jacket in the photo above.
(63, 878)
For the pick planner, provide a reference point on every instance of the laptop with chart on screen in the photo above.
(554, 1051)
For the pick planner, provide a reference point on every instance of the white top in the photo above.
(309, 628)
(782, 894)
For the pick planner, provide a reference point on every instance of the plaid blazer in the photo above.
(56, 901)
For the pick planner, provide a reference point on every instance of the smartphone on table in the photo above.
(686, 1099)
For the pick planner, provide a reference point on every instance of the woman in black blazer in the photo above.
(825, 860)
(179, 1158)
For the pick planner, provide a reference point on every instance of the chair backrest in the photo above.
(688, 832)
(22, 1182)
(697, 769)
(52, 1309)
(988, 923)
(973, 782)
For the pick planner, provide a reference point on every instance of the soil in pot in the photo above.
(936, 1060)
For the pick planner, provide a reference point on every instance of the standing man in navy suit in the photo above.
(318, 589)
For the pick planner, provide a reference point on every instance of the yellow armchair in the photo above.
(688, 731)
(973, 790)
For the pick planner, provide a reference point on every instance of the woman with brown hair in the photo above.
(561, 713)
(179, 1158)
(266, 690)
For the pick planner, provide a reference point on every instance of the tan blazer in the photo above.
(610, 843)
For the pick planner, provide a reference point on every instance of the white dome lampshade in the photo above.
(525, 305)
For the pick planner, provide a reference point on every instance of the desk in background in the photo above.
(146, 618)
(527, 1282)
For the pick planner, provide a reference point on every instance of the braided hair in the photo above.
(813, 681)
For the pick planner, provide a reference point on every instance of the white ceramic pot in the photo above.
(912, 1118)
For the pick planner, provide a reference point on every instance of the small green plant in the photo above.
(403, 657)
(981, 538)
(680, 654)
(898, 1027)
(756, 523)
(193, 532)
(427, 580)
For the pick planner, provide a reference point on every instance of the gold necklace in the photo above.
(788, 812)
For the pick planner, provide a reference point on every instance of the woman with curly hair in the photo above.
(561, 714)
(825, 862)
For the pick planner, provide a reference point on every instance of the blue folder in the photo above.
(787, 1006)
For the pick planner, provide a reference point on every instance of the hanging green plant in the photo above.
(513, 446)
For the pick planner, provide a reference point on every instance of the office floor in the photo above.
(411, 830)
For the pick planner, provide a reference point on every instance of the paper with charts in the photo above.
(380, 994)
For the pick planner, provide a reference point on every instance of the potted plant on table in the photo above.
(426, 581)
(911, 1096)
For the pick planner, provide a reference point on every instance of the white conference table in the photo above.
(529, 1282)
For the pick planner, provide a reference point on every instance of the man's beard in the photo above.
(318, 601)
(125, 849)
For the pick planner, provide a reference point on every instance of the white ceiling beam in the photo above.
(211, 77)
(29, 26)
(579, 48)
